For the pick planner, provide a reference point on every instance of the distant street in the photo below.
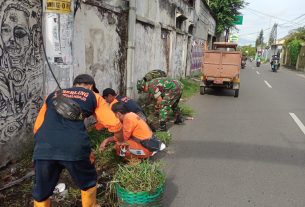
(246, 151)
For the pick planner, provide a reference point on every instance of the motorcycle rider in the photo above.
(258, 60)
(243, 61)
(274, 59)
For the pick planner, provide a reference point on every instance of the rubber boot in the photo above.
(179, 119)
(162, 127)
(45, 203)
(89, 198)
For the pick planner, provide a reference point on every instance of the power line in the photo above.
(280, 25)
(259, 12)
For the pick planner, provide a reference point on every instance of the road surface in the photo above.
(240, 152)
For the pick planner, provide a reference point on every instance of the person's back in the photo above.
(161, 86)
(59, 134)
(132, 106)
(61, 141)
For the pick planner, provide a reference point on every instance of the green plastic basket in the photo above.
(139, 199)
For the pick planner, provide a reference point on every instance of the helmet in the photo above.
(140, 85)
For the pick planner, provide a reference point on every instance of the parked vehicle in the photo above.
(221, 68)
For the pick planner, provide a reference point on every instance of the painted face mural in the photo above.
(20, 66)
(15, 32)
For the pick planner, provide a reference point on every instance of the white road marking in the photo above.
(268, 84)
(301, 75)
(257, 73)
(298, 122)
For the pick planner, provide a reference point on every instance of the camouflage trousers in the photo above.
(170, 102)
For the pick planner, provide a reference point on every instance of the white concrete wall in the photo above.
(179, 56)
(144, 50)
(165, 50)
(21, 74)
(97, 46)
(206, 23)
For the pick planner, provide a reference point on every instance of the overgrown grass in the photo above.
(186, 110)
(165, 137)
(190, 88)
(144, 177)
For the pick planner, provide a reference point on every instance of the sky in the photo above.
(262, 14)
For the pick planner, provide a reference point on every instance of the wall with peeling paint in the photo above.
(159, 44)
(98, 46)
(205, 24)
(21, 74)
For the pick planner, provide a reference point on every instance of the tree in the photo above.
(225, 12)
(248, 50)
(293, 43)
(296, 34)
(273, 35)
(260, 39)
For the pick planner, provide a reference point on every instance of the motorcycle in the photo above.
(275, 65)
(243, 64)
(258, 63)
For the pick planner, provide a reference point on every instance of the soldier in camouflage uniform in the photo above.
(167, 93)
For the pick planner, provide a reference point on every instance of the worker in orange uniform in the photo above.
(139, 140)
(132, 106)
(61, 141)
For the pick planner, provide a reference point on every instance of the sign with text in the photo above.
(238, 20)
(59, 6)
(233, 38)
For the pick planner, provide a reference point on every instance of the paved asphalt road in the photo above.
(240, 152)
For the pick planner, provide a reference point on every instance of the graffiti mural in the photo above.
(20, 66)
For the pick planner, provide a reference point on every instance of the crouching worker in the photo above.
(111, 98)
(167, 93)
(61, 141)
(139, 141)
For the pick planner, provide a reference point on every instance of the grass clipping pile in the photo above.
(144, 177)
(140, 185)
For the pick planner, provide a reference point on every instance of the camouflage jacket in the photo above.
(161, 86)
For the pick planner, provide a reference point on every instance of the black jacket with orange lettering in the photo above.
(57, 138)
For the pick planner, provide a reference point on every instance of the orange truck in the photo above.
(221, 68)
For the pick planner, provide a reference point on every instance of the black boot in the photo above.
(162, 126)
(179, 119)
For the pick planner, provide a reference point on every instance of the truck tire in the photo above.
(236, 93)
(202, 90)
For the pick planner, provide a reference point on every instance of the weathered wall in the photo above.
(179, 56)
(205, 22)
(20, 73)
(144, 50)
(100, 46)
(301, 59)
(159, 44)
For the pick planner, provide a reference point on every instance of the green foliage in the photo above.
(225, 12)
(186, 110)
(294, 50)
(297, 34)
(144, 177)
(260, 39)
(165, 137)
(248, 50)
(97, 137)
(190, 88)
